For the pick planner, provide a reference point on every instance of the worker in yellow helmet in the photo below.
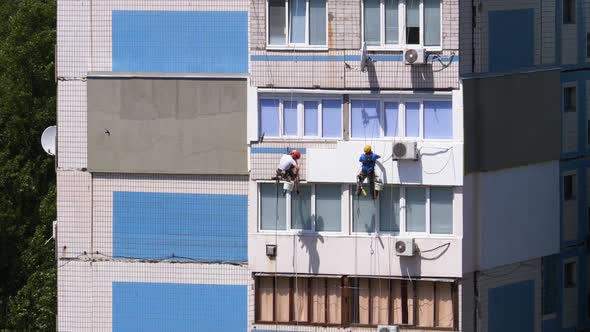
(368, 160)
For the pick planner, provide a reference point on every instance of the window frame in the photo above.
(402, 214)
(401, 122)
(288, 206)
(300, 100)
(288, 44)
(402, 29)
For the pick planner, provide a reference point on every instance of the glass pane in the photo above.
(391, 119)
(391, 21)
(373, 22)
(310, 118)
(389, 209)
(301, 208)
(276, 22)
(297, 16)
(365, 118)
(438, 119)
(441, 210)
(412, 22)
(272, 203)
(412, 119)
(269, 117)
(364, 213)
(415, 209)
(331, 118)
(328, 207)
(290, 118)
(432, 22)
(317, 22)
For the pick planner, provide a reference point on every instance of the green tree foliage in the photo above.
(27, 174)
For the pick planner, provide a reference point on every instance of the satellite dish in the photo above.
(364, 57)
(48, 140)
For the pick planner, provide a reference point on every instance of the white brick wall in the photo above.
(73, 213)
(73, 38)
(72, 135)
(74, 302)
(85, 287)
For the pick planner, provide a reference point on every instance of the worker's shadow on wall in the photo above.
(409, 171)
(310, 243)
(422, 76)
(372, 76)
(410, 266)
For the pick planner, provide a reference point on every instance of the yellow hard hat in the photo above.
(367, 148)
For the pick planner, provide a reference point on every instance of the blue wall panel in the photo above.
(198, 227)
(511, 308)
(180, 42)
(179, 307)
(511, 39)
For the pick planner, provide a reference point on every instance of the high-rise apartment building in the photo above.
(173, 115)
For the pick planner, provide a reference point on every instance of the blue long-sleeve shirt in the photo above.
(368, 161)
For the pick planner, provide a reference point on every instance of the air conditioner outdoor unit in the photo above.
(405, 150)
(387, 328)
(414, 56)
(404, 247)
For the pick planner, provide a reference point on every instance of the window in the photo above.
(441, 210)
(272, 207)
(569, 11)
(569, 99)
(416, 209)
(588, 50)
(569, 187)
(297, 23)
(316, 208)
(426, 210)
(296, 117)
(375, 118)
(311, 300)
(392, 302)
(550, 284)
(353, 301)
(569, 275)
(395, 23)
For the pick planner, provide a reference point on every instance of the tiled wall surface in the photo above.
(264, 158)
(85, 299)
(341, 70)
(487, 281)
(543, 26)
(339, 67)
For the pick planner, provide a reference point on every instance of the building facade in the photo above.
(523, 68)
(172, 116)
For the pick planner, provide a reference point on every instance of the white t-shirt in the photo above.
(286, 162)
